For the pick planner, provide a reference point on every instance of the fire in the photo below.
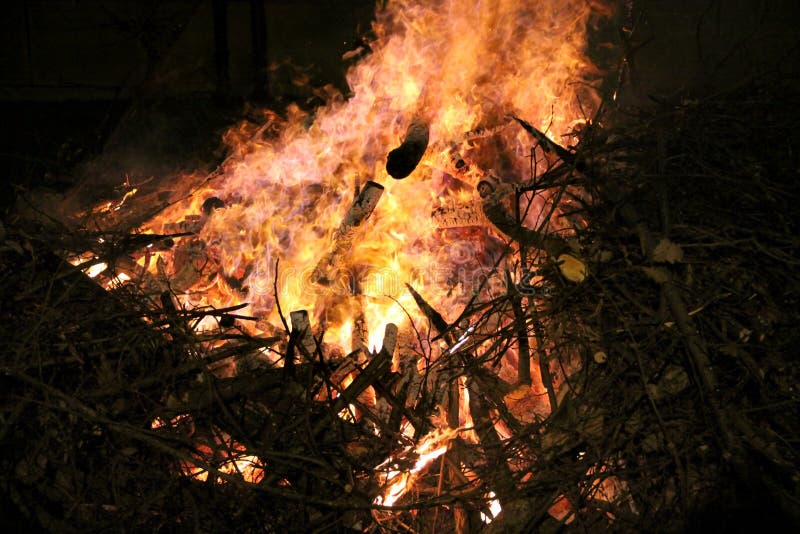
(398, 481)
(458, 65)
(247, 467)
(236, 463)
(276, 209)
(349, 413)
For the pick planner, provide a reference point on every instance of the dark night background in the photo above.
(146, 82)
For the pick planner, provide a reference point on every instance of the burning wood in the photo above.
(301, 334)
(404, 159)
(455, 214)
(378, 366)
(327, 268)
(465, 420)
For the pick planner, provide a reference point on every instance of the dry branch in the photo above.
(708, 334)
(372, 373)
(547, 144)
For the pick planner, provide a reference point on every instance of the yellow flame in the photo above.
(457, 65)
(96, 269)
(398, 482)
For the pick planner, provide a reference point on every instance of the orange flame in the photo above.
(398, 481)
(462, 67)
(458, 65)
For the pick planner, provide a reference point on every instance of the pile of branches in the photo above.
(686, 326)
(118, 414)
(667, 365)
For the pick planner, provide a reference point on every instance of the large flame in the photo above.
(461, 68)
(458, 65)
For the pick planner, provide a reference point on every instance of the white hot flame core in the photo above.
(494, 509)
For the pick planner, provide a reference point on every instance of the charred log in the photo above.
(404, 159)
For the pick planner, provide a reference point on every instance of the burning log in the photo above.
(396, 401)
(301, 334)
(458, 214)
(404, 159)
(375, 370)
(363, 205)
(399, 410)
(360, 333)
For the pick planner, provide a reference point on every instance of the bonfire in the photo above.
(474, 294)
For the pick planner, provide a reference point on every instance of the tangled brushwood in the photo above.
(665, 343)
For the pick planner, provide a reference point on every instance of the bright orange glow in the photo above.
(458, 65)
(561, 510)
(610, 488)
(397, 482)
(465, 415)
(604, 487)
(248, 467)
(461, 67)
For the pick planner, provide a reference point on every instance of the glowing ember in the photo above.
(398, 482)
(250, 468)
(247, 467)
(494, 509)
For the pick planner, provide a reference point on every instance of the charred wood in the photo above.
(404, 159)
(547, 144)
(435, 318)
